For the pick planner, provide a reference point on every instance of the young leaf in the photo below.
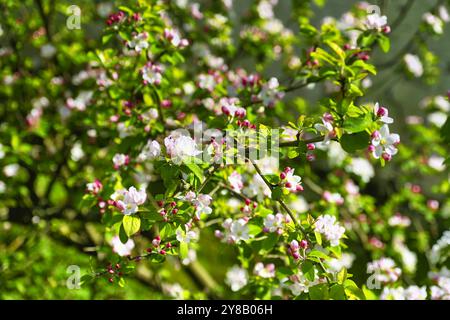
(131, 224)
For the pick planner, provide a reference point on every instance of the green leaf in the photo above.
(354, 142)
(384, 42)
(196, 170)
(358, 124)
(131, 224)
(277, 193)
(318, 238)
(308, 270)
(122, 282)
(319, 292)
(122, 234)
(166, 231)
(184, 250)
(337, 292)
(318, 254)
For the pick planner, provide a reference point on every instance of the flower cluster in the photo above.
(235, 231)
(127, 201)
(330, 228)
(384, 270)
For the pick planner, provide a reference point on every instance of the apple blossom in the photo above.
(152, 73)
(122, 249)
(236, 278)
(139, 42)
(385, 143)
(384, 270)
(264, 271)
(120, 160)
(382, 114)
(330, 228)
(290, 181)
(375, 21)
(414, 65)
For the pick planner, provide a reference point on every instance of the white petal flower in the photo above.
(414, 65)
(236, 278)
(120, 248)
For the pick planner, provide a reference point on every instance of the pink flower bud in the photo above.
(304, 244)
(310, 146)
(387, 156)
(376, 134)
(382, 112)
(310, 157)
(387, 29)
(294, 245)
(371, 148)
(328, 117)
(282, 176)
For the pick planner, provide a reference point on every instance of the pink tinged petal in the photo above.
(378, 152)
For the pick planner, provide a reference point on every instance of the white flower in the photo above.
(362, 168)
(152, 73)
(436, 162)
(385, 143)
(300, 205)
(236, 278)
(120, 248)
(267, 271)
(120, 159)
(384, 270)
(414, 65)
(335, 197)
(435, 22)
(139, 42)
(442, 103)
(257, 188)
(438, 249)
(301, 283)
(326, 128)
(201, 204)
(180, 147)
(206, 81)
(48, 51)
(235, 181)
(191, 257)
(265, 9)
(443, 14)
(2, 187)
(239, 231)
(375, 21)
(292, 182)
(187, 236)
(11, 170)
(81, 101)
(336, 155)
(409, 258)
(442, 290)
(437, 118)
(235, 230)
(129, 200)
(152, 150)
(330, 228)
(399, 220)
(410, 293)
(270, 93)
(173, 290)
(273, 223)
(346, 261)
(382, 113)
